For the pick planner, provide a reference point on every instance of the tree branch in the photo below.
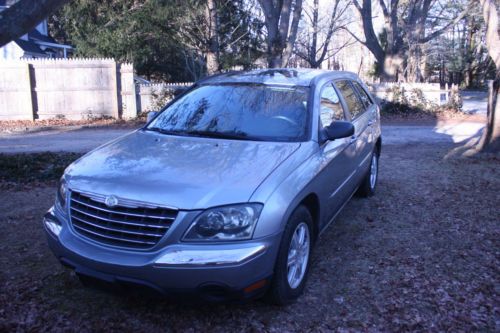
(354, 36)
(384, 8)
(446, 27)
(24, 16)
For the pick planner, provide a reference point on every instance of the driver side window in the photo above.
(330, 107)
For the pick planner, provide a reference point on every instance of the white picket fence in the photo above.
(66, 88)
(147, 93)
(82, 88)
(432, 92)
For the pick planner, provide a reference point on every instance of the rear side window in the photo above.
(352, 100)
(367, 101)
(330, 107)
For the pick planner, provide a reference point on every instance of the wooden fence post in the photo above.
(30, 98)
(116, 95)
(128, 91)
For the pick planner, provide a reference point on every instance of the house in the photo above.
(35, 44)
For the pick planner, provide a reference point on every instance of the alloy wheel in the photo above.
(373, 171)
(298, 255)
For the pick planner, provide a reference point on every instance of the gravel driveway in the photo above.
(83, 140)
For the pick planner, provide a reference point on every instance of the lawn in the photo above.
(423, 254)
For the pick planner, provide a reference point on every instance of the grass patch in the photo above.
(26, 168)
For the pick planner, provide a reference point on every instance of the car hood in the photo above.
(182, 172)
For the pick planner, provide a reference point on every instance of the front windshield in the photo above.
(244, 112)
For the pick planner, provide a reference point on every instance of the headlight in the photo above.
(62, 193)
(235, 222)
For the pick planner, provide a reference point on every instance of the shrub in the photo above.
(402, 103)
(455, 101)
(397, 102)
(160, 99)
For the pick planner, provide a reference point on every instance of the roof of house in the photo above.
(36, 35)
(28, 46)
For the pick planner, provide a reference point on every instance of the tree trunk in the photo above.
(314, 43)
(281, 33)
(290, 37)
(469, 51)
(387, 63)
(213, 65)
(275, 59)
(24, 16)
(490, 138)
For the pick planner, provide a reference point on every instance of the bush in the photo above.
(402, 103)
(455, 101)
(160, 99)
(397, 102)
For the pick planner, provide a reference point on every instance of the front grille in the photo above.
(125, 225)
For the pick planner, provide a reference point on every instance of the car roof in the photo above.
(277, 76)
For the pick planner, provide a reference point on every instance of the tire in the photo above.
(86, 281)
(368, 185)
(286, 286)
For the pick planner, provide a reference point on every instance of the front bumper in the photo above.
(236, 270)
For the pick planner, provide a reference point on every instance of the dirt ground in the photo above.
(423, 254)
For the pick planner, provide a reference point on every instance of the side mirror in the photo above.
(338, 130)
(151, 115)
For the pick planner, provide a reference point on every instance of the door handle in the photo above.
(353, 139)
(371, 122)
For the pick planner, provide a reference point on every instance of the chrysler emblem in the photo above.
(111, 201)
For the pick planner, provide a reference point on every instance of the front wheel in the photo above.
(292, 264)
(369, 183)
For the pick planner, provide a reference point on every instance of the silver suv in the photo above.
(225, 191)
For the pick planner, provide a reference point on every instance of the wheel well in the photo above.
(311, 202)
(378, 144)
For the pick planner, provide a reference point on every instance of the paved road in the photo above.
(474, 102)
(445, 132)
(80, 140)
(83, 140)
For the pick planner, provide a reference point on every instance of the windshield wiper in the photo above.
(222, 135)
(164, 131)
(207, 134)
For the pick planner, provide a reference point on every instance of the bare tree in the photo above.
(371, 41)
(281, 32)
(406, 30)
(490, 139)
(199, 31)
(23, 16)
(213, 65)
(314, 45)
(214, 29)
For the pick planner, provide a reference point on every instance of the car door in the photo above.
(337, 156)
(361, 121)
(370, 116)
